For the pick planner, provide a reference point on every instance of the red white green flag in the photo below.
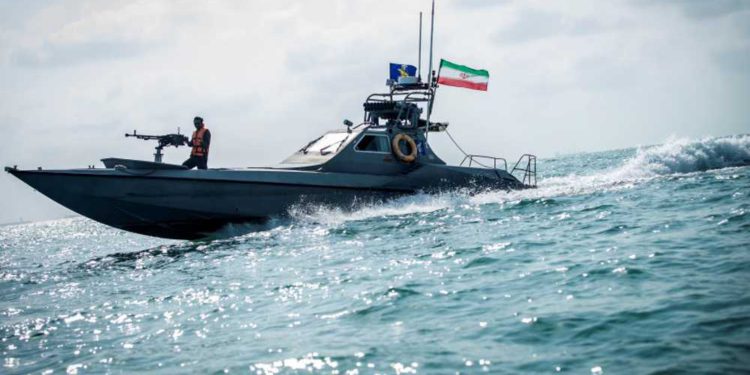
(452, 74)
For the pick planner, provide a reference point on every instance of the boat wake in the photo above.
(676, 156)
(687, 156)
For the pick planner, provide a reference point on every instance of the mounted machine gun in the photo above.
(175, 140)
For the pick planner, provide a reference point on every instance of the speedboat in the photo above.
(387, 155)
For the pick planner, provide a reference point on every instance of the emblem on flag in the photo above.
(402, 70)
(452, 74)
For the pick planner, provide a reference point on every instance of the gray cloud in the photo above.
(479, 4)
(14, 14)
(698, 9)
(56, 55)
(736, 61)
(534, 24)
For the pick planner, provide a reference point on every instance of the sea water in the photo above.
(627, 261)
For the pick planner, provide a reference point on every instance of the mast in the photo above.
(419, 69)
(431, 83)
(432, 34)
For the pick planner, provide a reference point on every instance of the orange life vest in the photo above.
(197, 142)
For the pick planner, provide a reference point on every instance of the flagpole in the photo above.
(434, 92)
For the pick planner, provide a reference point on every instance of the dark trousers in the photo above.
(196, 161)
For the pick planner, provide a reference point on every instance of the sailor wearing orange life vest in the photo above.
(199, 142)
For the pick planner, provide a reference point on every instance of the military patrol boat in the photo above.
(386, 155)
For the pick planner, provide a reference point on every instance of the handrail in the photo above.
(410, 95)
(529, 171)
(472, 158)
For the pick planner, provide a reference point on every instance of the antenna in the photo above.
(420, 48)
(431, 83)
(432, 33)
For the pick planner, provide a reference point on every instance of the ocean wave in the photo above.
(676, 156)
(686, 156)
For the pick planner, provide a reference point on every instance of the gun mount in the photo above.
(175, 140)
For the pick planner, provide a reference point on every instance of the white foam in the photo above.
(685, 156)
(419, 203)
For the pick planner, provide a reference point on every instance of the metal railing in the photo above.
(528, 168)
(472, 160)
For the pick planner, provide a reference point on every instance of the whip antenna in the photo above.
(432, 33)
(430, 80)
(419, 64)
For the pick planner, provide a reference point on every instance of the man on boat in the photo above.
(199, 142)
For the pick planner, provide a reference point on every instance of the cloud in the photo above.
(479, 4)
(532, 24)
(51, 55)
(735, 60)
(703, 9)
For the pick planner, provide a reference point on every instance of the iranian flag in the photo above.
(451, 74)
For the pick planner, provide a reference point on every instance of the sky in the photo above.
(268, 76)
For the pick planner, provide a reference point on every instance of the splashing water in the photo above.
(685, 156)
(628, 261)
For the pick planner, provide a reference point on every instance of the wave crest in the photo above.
(674, 156)
(686, 156)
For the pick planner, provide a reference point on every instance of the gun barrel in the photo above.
(144, 136)
(164, 140)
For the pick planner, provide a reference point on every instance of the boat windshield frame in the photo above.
(310, 155)
(341, 138)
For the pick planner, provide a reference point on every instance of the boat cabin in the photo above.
(369, 146)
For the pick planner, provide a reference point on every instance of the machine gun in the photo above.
(175, 140)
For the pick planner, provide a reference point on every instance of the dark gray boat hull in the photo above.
(190, 204)
(182, 207)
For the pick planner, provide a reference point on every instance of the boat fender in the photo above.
(406, 158)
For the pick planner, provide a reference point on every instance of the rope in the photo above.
(455, 143)
(467, 155)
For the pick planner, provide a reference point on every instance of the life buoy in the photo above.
(396, 146)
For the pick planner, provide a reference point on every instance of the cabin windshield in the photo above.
(327, 144)
(322, 149)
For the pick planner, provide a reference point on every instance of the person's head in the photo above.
(198, 122)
